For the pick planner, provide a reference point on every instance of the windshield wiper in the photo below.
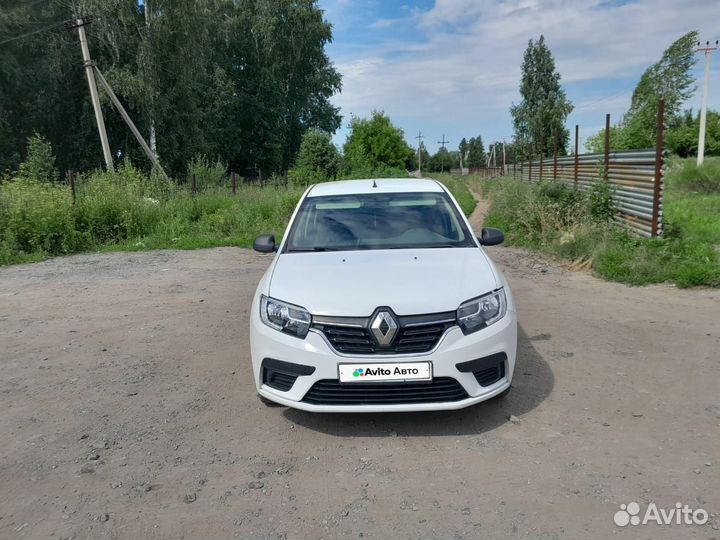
(308, 250)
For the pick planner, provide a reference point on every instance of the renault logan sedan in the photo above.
(380, 298)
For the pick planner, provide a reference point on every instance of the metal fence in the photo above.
(631, 176)
(635, 176)
(488, 172)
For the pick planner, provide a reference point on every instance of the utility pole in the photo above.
(420, 137)
(148, 152)
(503, 143)
(708, 50)
(80, 25)
(442, 156)
(153, 137)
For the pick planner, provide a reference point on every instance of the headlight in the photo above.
(481, 312)
(285, 317)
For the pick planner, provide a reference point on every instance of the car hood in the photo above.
(409, 281)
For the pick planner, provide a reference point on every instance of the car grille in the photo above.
(413, 337)
(333, 392)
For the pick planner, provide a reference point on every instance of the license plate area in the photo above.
(381, 372)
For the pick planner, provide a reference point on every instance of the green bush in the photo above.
(687, 176)
(39, 164)
(318, 160)
(208, 174)
(301, 176)
(577, 226)
(113, 207)
(379, 171)
(36, 218)
(127, 210)
(602, 206)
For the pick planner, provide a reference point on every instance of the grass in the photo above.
(686, 176)
(567, 227)
(460, 190)
(128, 211)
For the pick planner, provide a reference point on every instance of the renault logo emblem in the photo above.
(383, 328)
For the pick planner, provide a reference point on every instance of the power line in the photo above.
(32, 33)
(27, 5)
(615, 94)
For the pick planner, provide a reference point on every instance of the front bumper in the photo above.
(454, 348)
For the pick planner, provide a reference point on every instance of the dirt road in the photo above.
(128, 411)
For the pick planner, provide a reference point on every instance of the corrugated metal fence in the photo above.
(488, 172)
(636, 178)
(631, 175)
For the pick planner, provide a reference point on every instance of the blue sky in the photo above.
(453, 66)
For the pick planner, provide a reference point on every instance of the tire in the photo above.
(268, 403)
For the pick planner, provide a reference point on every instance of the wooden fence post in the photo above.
(577, 147)
(555, 145)
(70, 178)
(530, 156)
(607, 147)
(233, 178)
(542, 155)
(659, 148)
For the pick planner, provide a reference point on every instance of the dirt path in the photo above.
(128, 412)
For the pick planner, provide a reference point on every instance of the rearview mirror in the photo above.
(491, 237)
(265, 244)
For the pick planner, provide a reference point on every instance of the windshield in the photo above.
(378, 221)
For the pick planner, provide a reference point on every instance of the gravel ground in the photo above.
(128, 411)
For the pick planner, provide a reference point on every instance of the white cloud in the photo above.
(383, 23)
(463, 63)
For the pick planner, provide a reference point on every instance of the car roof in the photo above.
(375, 185)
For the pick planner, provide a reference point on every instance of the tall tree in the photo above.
(318, 155)
(544, 106)
(682, 138)
(670, 79)
(476, 153)
(242, 80)
(462, 149)
(375, 144)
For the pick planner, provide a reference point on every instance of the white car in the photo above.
(380, 298)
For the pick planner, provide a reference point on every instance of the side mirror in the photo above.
(265, 244)
(491, 237)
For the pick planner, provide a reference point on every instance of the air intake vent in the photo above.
(491, 375)
(333, 392)
(278, 380)
(487, 370)
(282, 375)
